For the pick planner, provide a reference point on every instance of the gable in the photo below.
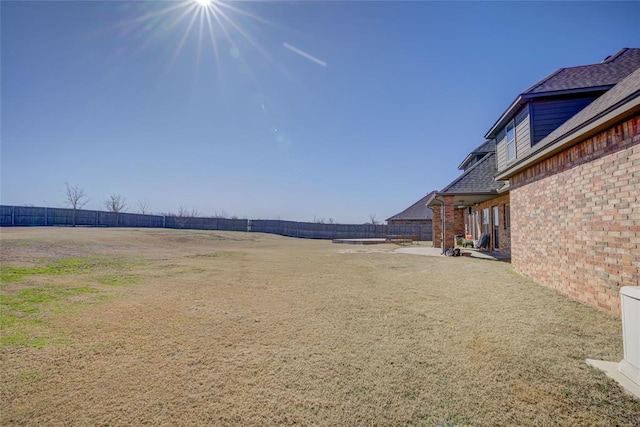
(479, 178)
(417, 211)
(548, 114)
(623, 100)
(588, 80)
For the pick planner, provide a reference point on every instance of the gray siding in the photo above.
(548, 115)
(501, 150)
(523, 139)
(523, 134)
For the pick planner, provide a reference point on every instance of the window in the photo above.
(507, 216)
(485, 220)
(511, 141)
(496, 227)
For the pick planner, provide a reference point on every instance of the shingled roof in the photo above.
(479, 178)
(607, 73)
(417, 211)
(486, 147)
(624, 97)
(595, 78)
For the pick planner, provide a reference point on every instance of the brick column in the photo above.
(437, 227)
(449, 221)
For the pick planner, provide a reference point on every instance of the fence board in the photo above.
(43, 216)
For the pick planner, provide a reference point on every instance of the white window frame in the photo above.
(511, 143)
(486, 221)
(496, 226)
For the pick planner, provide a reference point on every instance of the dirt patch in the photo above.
(249, 329)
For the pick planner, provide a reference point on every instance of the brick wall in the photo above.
(575, 218)
(453, 223)
(504, 234)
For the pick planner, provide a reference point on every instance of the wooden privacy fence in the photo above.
(23, 216)
(314, 230)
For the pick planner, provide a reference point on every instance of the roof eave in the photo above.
(607, 118)
(476, 197)
(504, 117)
(466, 160)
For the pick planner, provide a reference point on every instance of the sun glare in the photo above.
(217, 22)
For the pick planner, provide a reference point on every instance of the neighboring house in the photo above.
(568, 212)
(416, 214)
(473, 203)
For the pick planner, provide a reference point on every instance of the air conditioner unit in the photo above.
(630, 308)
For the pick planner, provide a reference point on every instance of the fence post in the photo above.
(46, 219)
(13, 215)
(164, 221)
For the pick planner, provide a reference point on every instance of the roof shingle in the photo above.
(607, 73)
(477, 179)
(622, 94)
(626, 88)
(417, 211)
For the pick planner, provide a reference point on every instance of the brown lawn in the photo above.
(168, 327)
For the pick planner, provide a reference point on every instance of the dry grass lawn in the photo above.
(169, 327)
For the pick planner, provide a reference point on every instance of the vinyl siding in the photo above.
(523, 139)
(501, 150)
(548, 115)
(523, 135)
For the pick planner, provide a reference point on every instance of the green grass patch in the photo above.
(25, 314)
(32, 300)
(21, 314)
(7, 320)
(21, 339)
(77, 265)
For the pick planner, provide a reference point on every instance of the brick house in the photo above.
(474, 203)
(577, 196)
(566, 203)
(416, 214)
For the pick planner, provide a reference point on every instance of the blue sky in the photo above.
(303, 109)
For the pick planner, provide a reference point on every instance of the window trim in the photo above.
(486, 220)
(507, 216)
(495, 218)
(512, 123)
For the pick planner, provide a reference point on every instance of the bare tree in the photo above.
(76, 198)
(331, 221)
(183, 215)
(143, 206)
(373, 219)
(317, 220)
(221, 215)
(116, 203)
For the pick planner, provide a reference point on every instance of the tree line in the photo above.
(76, 198)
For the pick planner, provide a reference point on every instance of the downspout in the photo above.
(441, 223)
